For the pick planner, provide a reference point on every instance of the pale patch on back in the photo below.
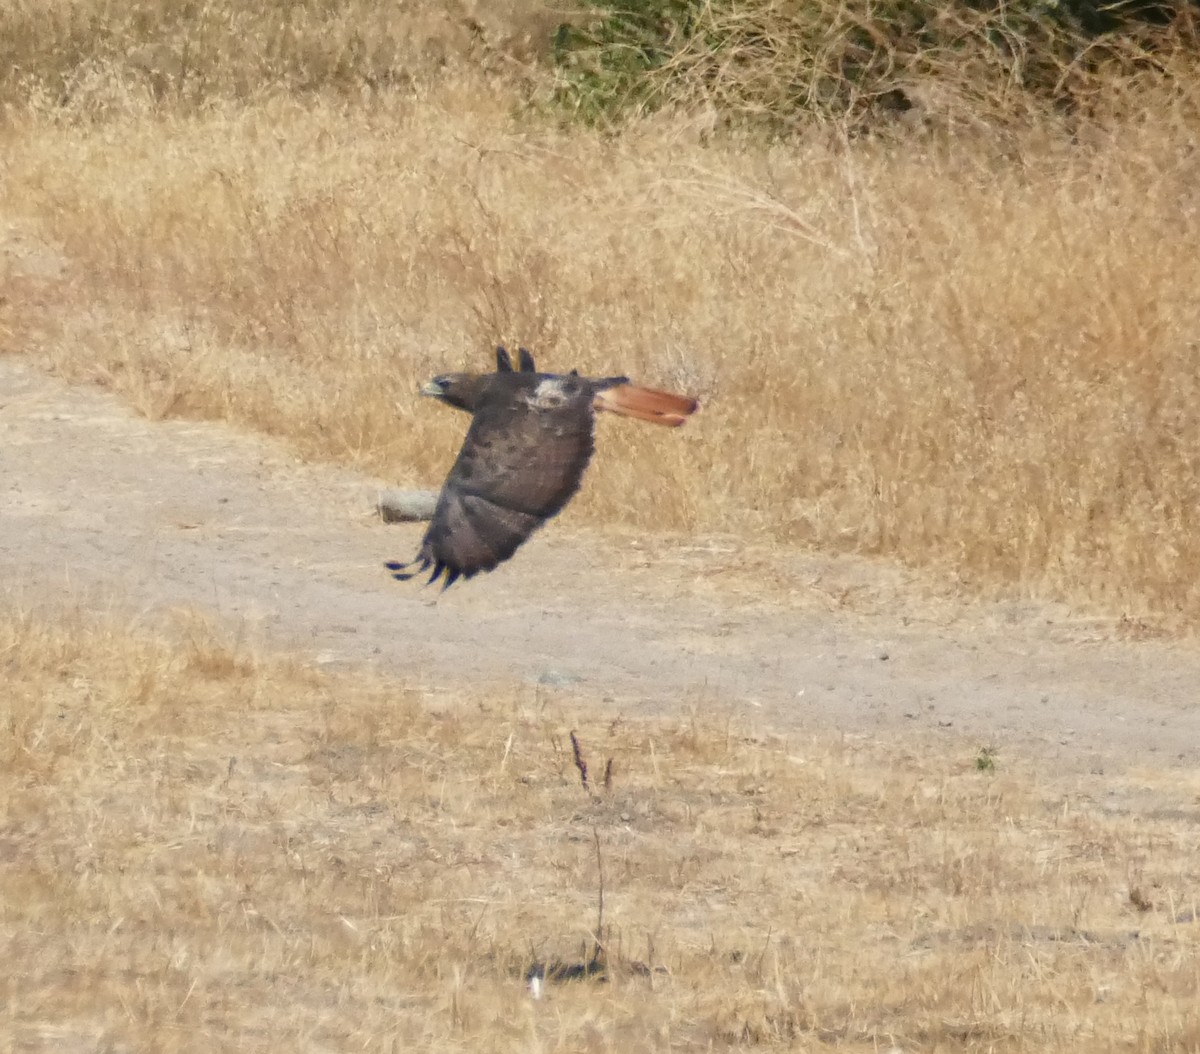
(553, 393)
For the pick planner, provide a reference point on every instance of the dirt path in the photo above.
(101, 508)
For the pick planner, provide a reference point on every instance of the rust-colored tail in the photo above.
(646, 404)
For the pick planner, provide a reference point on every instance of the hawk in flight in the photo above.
(523, 458)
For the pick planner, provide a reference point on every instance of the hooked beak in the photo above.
(434, 389)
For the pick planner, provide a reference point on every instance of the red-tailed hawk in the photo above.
(523, 458)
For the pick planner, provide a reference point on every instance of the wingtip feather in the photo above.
(401, 573)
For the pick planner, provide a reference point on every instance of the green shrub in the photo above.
(779, 61)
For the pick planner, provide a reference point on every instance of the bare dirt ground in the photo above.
(102, 509)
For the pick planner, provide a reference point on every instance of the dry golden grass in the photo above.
(202, 848)
(65, 53)
(973, 357)
(976, 358)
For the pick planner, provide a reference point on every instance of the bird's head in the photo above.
(460, 390)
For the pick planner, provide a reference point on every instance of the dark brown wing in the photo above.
(522, 460)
